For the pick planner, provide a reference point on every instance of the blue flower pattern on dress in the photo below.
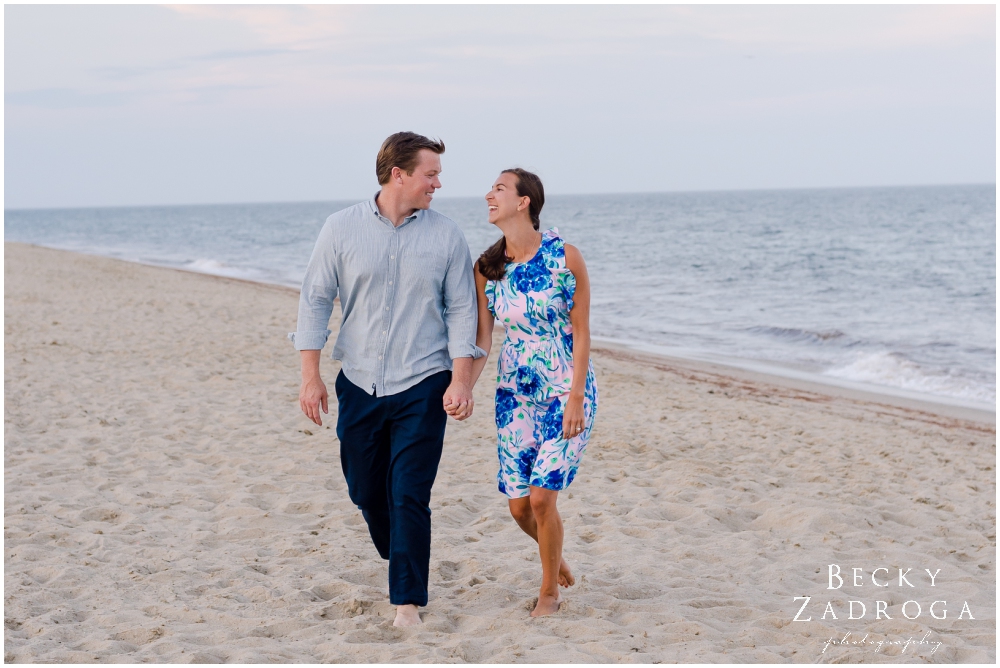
(553, 480)
(551, 424)
(532, 276)
(506, 405)
(527, 380)
(568, 342)
(525, 460)
(533, 301)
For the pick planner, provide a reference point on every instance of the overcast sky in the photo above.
(122, 105)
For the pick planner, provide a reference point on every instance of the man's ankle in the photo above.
(407, 615)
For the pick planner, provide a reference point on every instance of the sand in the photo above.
(166, 501)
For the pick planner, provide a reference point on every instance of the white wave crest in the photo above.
(217, 268)
(895, 370)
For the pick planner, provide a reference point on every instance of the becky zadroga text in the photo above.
(880, 577)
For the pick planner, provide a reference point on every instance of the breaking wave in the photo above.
(803, 335)
(896, 370)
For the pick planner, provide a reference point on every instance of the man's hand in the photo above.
(313, 395)
(573, 417)
(458, 401)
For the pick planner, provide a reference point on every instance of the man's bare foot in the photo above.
(547, 604)
(566, 578)
(406, 615)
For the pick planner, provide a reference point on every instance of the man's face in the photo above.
(418, 188)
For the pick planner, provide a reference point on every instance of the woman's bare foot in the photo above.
(566, 578)
(547, 604)
(406, 615)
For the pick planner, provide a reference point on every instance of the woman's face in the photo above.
(503, 200)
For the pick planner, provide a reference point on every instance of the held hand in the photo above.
(458, 402)
(573, 418)
(313, 395)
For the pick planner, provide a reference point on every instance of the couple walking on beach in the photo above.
(417, 327)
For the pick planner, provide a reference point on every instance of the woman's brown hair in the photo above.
(493, 262)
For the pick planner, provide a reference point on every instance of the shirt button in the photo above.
(390, 282)
(392, 257)
(380, 357)
(386, 308)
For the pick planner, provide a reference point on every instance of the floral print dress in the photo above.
(533, 301)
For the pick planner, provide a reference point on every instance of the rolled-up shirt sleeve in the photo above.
(319, 289)
(460, 312)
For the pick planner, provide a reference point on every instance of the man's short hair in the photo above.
(402, 150)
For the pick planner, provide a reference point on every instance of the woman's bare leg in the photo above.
(520, 510)
(550, 539)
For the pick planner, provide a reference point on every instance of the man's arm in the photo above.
(312, 393)
(319, 289)
(460, 321)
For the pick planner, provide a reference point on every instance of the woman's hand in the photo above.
(573, 417)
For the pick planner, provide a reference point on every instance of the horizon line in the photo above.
(458, 197)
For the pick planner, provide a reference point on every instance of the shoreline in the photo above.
(803, 387)
(745, 370)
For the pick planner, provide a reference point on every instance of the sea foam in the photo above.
(895, 370)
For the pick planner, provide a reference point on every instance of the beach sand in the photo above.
(165, 500)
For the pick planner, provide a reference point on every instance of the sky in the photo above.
(146, 105)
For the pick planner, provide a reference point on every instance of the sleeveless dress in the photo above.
(533, 301)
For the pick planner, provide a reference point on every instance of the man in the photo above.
(406, 343)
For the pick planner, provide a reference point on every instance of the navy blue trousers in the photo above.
(390, 448)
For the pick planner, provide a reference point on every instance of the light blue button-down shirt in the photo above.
(407, 294)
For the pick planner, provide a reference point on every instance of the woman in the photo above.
(537, 286)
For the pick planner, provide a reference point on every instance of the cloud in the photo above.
(126, 72)
(293, 24)
(122, 73)
(239, 54)
(938, 24)
(808, 27)
(66, 98)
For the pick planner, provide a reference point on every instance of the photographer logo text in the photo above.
(879, 578)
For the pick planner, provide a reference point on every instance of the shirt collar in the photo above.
(374, 209)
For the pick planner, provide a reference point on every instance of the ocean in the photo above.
(887, 289)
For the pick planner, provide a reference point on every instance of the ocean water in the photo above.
(890, 288)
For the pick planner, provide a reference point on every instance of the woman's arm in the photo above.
(580, 319)
(484, 330)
